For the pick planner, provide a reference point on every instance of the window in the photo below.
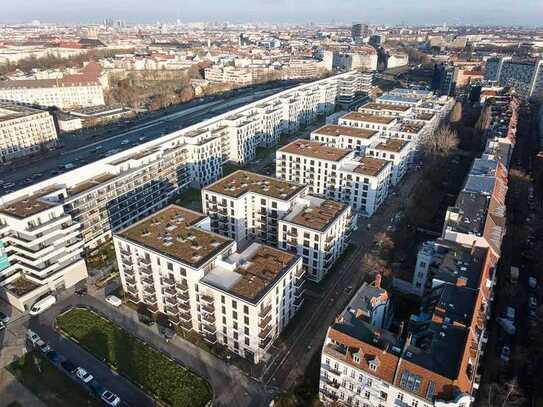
(234, 304)
(245, 309)
(383, 395)
(373, 365)
(430, 391)
(400, 396)
(356, 358)
(170, 266)
(410, 381)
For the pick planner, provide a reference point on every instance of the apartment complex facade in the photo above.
(335, 173)
(174, 265)
(24, 131)
(114, 192)
(42, 248)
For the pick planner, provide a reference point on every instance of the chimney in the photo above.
(378, 280)
(473, 248)
(461, 281)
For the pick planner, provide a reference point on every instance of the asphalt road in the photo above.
(80, 151)
(322, 307)
(231, 386)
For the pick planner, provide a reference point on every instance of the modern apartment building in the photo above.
(368, 121)
(235, 76)
(399, 152)
(336, 174)
(344, 137)
(381, 109)
(318, 230)
(245, 205)
(112, 193)
(24, 131)
(173, 264)
(42, 248)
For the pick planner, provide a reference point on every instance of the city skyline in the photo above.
(505, 12)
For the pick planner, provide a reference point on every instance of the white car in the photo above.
(111, 399)
(33, 337)
(83, 375)
(114, 300)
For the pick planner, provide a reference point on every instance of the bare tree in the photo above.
(441, 143)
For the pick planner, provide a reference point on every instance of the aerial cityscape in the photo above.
(271, 203)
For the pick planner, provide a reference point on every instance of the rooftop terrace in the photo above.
(316, 213)
(392, 145)
(368, 118)
(336, 131)
(314, 149)
(251, 273)
(371, 166)
(241, 182)
(171, 232)
(29, 205)
(381, 107)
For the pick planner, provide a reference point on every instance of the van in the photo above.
(510, 314)
(42, 305)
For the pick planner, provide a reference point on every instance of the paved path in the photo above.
(318, 313)
(231, 386)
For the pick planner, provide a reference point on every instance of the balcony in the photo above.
(168, 282)
(207, 299)
(209, 329)
(185, 316)
(185, 324)
(144, 261)
(211, 338)
(333, 383)
(299, 300)
(332, 370)
(264, 322)
(265, 342)
(208, 318)
(171, 310)
(148, 281)
(183, 296)
(169, 292)
(210, 309)
(299, 283)
(265, 332)
(265, 311)
(182, 286)
(329, 395)
(125, 253)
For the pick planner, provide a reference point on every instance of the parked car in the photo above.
(532, 282)
(532, 302)
(69, 366)
(53, 356)
(83, 375)
(32, 336)
(42, 305)
(505, 354)
(43, 346)
(111, 399)
(4, 318)
(114, 300)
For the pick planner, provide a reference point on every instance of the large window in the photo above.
(410, 381)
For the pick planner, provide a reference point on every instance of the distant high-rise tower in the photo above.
(359, 32)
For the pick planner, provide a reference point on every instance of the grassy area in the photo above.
(160, 377)
(50, 385)
(102, 257)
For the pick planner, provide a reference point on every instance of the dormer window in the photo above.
(356, 358)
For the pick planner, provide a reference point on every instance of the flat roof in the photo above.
(10, 111)
(410, 127)
(316, 213)
(371, 166)
(370, 118)
(336, 130)
(382, 106)
(241, 182)
(171, 231)
(394, 145)
(251, 273)
(89, 184)
(314, 149)
(29, 205)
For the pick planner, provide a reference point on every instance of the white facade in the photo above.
(335, 174)
(24, 131)
(242, 300)
(63, 96)
(400, 153)
(318, 231)
(43, 246)
(245, 205)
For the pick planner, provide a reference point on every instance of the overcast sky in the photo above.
(519, 12)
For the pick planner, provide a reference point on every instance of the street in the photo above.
(79, 151)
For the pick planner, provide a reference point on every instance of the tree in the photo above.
(506, 395)
(441, 143)
(456, 114)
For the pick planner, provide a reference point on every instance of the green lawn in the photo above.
(160, 377)
(51, 386)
